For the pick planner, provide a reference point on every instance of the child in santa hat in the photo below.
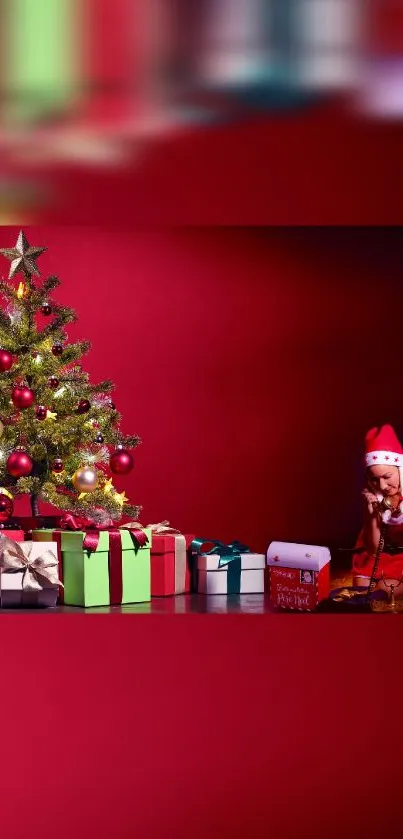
(383, 509)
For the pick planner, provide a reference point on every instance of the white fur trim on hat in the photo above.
(384, 459)
(381, 458)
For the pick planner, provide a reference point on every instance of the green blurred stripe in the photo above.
(41, 61)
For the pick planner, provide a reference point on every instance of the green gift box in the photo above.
(106, 575)
(41, 75)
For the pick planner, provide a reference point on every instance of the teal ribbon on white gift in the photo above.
(229, 555)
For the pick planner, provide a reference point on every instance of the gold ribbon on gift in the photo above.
(39, 573)
(163, 528)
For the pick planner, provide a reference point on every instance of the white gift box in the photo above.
(12, 591)
(213, 579)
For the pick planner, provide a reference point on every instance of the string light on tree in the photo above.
(13, 418)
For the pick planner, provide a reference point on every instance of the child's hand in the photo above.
(371, 501)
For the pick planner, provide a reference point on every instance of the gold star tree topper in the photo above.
(23, 257)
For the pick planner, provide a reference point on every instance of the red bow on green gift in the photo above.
(92, 530)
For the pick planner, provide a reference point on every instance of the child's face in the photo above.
(307, 576)
(384, 479)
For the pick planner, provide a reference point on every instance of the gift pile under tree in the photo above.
(59, 434)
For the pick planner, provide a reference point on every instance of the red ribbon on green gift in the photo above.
(57, 537)
(115, 558)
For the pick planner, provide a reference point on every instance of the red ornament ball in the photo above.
(121, 462)
(6, 507)
(53, 382)
(46, 309)
(19, 464)
(83, 406)
(6, 361)
(23, 397)
(57, 465)
(40, 412)
(57, 349)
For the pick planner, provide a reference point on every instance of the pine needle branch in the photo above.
(50, 283)
(7, 291)
(102, 387)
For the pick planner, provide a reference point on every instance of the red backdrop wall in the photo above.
(251, 363)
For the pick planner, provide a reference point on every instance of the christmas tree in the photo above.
(55, 426)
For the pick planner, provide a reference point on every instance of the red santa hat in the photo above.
(382, 448)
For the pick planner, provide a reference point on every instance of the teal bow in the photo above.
(229, 555)
(226, 553)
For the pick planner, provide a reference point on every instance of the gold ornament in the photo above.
(4, 491)
(108, 487)
(120, 497)
(85, 479)
(22, 257)
(21, 291)
(1, 428)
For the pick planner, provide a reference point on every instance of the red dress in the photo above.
(391, 559)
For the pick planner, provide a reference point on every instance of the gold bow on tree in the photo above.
(39, 573)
